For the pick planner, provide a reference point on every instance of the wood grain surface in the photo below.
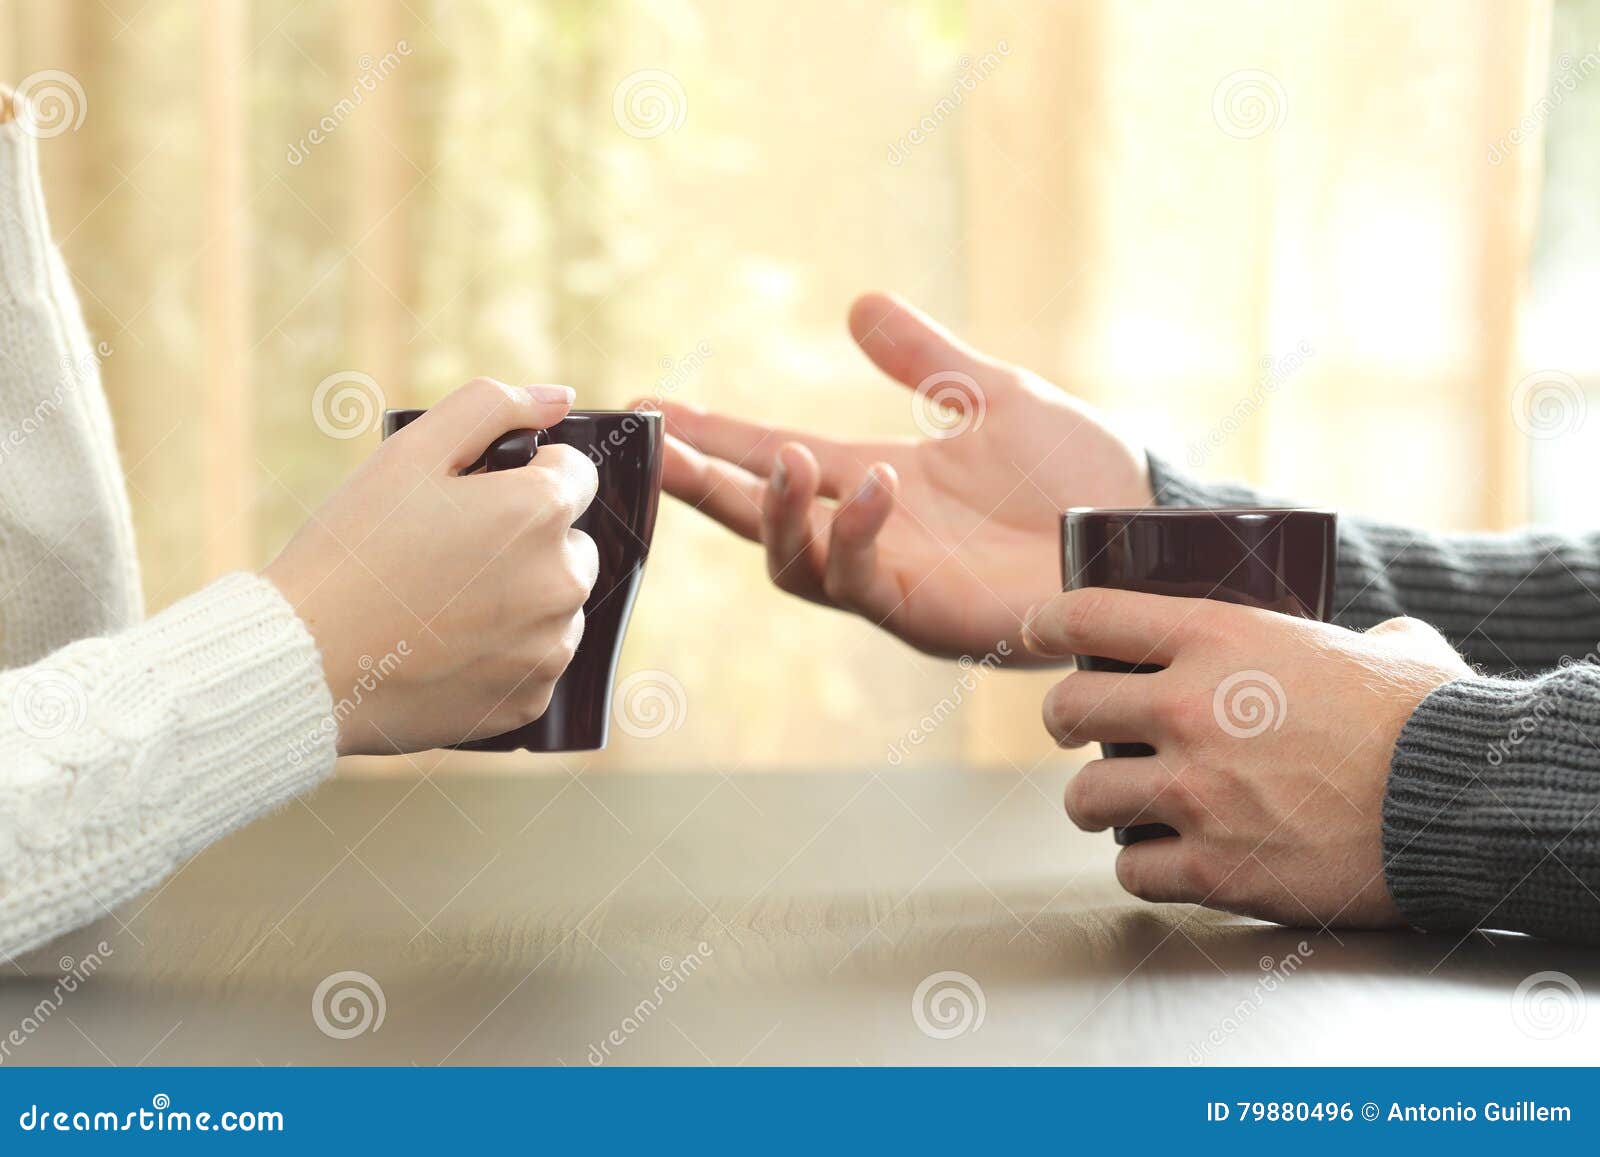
(530, 920)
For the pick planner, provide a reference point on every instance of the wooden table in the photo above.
(532, 919)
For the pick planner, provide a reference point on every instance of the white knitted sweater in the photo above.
(125, 746)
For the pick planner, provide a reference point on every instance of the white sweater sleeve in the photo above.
(126, 751)
(123, 755)
(67, 561)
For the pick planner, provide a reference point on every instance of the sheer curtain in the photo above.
(1287, 241)
(1272, 237)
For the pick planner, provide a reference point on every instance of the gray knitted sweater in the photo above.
(1492, 813)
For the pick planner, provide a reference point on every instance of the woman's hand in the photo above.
(946, 540)
(447, 605)
(1273, 737)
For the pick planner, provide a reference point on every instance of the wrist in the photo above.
(296, 590)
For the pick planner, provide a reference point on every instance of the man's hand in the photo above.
(1273, 737)
(945, 540)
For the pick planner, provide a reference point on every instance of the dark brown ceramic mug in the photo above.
(1276, 559)
(626, 448)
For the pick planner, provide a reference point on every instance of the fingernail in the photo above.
(780, 477)
(1030, 640)
(552, 394)
(869, 486)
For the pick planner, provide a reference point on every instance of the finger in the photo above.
(1113, 624)
(851, 579)
(796, 554)
(754, 447)
(910, 346)
(1167, 870)
(586, 557)
(1104, 706)
(456, 431)
(571, 469)
(1123, 792)
(718, 489)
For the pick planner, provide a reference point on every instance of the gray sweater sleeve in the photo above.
(1492, 813)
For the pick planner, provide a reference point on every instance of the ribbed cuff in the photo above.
(147, 746)
(1488, 818)
(249, 718)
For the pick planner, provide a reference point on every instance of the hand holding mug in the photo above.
(397, 555)
(1271, 740)
(626, 447)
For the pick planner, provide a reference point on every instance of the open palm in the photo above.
(945, 540)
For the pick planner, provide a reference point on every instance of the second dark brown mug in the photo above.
(626, 448)
(1276, 559)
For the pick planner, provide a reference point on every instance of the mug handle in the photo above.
(507, 452)
(511, 451)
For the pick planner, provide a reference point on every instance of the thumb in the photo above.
(455, 432)
(911, 347)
